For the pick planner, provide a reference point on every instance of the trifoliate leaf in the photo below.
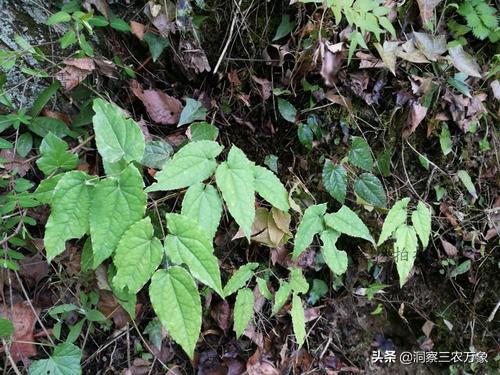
(202, 203)
(240, 278)
(348, 222)
(369, 188)
(65, 360)
(298, 320)
(281, 297)
(335, 180)
(116, 136)
(421, 220)
(54, 155)
(311, 224)
(137, 256)
(395, 217)
(175, 299)
(297, 281)
(235, 179)
(193, 163)
(405, 251)
(335, 259)
(243, 310)
(360, 154)
(117, 203)
(270, 188)
(70, 212)
(188, 243)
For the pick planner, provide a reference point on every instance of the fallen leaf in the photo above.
(258, 365)
(449, 249)
(426, 8)
(427, 328)
(14, 163)
(332, 56)
(432, 46)
(111, 308)
(75, 71)
(193, 56)
(415, 117)
(464, 62)
(33, 269)
(23, 318)
(344, 101)
(221, 313)
(419, 85)
(137, 29)
(162, 108)
(106, 67)
(265, 87)
(410, 53)
(387, 52)
(495, 87)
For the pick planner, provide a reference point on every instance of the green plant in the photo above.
(363, 16)
(65, 360)
(81, 23)
(367, 186)
(405, 236)
(481, 19)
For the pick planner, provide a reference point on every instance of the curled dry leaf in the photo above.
(432, 46)
(221, 313)
(265, 87)
(193, 56)
(449, 249)
(387, 52)
(23, 318)
(344, 101)
(332, 56)
(75, 71)
(162, 108)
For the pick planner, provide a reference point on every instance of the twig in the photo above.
(230, 37)
(11, 360)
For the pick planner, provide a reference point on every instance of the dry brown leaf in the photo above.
(23, 318)
(106, 67)
(432, 46)
(33, 269)
(332, 56)
(419, 85)
(387, 52)
(426, 8)
(464, 62)
(415, 117)
(58, 116)
(221, 313)
(344, 101)
(75, 71)
(111, 308)
(14, 163)
(410, 53)
(449, 249)
(138, 29)
(265, 87)
(162, 108)
(258, 365)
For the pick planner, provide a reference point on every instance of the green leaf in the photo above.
(395, 217)
(24, 144)
(235, 179)
(175, 299)
(405, 251)
(85, 46)
(70, 211)
(243, 310)
(54, 155)
(335, 259)
(116, 136)
(284, 28)
(4, 144)
(318, 290)
(297, 281)
(203, 204)
(467, 181)
(119, 24)
(240, 278)
(311, 224)
(65, 360)
(445, 140)
(203, 131)
(156, 44)
(67, 39)
(192, 111)
(43, 98)
(45, 189)
(335, 180)
(281, 297)
(461, 268)
(137, 256)
(270, 188)
(360, 154)
(369, 188)
(42, 126)
(348, 222)
(156, 153)
(188, 243)
(117, 203)
(6, 328)
(298, 320)
(193, 163)
(421, 220)
(264, 290)
(58, 17)
(287, 110)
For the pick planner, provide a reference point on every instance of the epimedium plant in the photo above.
(112, 211)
